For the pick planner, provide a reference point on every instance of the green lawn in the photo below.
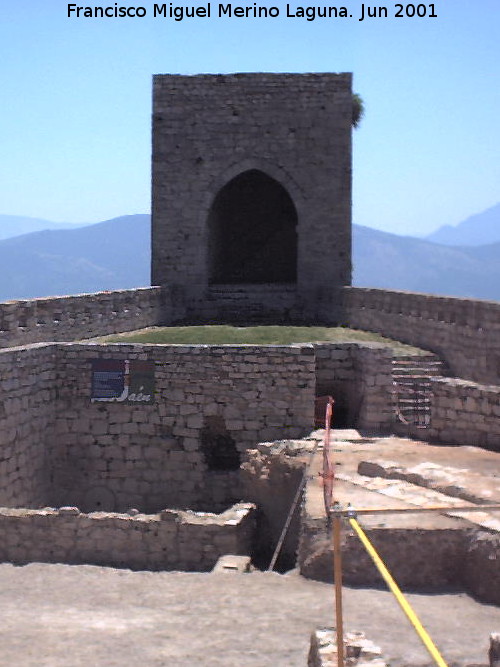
(218, 334)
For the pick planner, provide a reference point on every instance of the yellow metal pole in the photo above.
(337, 573)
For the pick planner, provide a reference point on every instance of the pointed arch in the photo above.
(252, 227)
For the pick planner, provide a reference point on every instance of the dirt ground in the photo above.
(75, 616)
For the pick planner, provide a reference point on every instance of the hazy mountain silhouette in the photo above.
(479, 229)
(108, 255)
(116, 255)
(403, 262)
(16, 225)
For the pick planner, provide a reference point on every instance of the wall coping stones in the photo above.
(466, 384)
(233, 514)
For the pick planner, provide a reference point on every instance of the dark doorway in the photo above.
(217, 446)
(253, 232)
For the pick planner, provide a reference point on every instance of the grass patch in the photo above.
(224, 334)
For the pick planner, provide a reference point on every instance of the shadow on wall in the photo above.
(217, 446)
(253, 232)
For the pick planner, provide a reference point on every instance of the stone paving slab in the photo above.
(466, 472)
(416, 496)
(474, 487)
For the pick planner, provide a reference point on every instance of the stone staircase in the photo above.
(411, 375)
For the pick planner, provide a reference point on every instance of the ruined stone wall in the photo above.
(27, 416)
(166, 541)
(59, 448)
(272, 474)
(404, 551)
(151, 456)
(67, 318)
(465, 333)
(292, 128)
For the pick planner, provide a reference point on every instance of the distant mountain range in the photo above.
(115, 254)
(479, 229)
(406, 263)
(16, 225)
(108, 255)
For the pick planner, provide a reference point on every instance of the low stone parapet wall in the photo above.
(170, 540)
(465, 413)
(68, 318)
(465, 333)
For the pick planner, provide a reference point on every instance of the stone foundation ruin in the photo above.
(169, 471)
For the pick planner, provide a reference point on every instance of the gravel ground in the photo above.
(75, 616)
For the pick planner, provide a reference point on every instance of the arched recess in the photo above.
(252, 227)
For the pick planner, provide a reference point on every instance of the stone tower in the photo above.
(252, 195)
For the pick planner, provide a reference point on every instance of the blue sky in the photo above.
(76, 103)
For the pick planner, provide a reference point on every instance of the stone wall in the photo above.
(293, 131)
(465, 413)
(271, 476)
(28, 396)
(480, 570)
(462, 557)
(465, 333)
(166, 541)
(359, 377)
(246, 304)
(62, 449)
(68, 318)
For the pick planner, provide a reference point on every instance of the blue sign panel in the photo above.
(123, 381)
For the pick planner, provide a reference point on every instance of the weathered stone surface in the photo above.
(193, 541)
(358, 650)
(231, 564)
(481, 566)
(463, 332)
(271, 479)
(295, 130)
(449, 480)
(67, 318)
(60, 448)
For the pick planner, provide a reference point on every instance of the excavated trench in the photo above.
(426, 552)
